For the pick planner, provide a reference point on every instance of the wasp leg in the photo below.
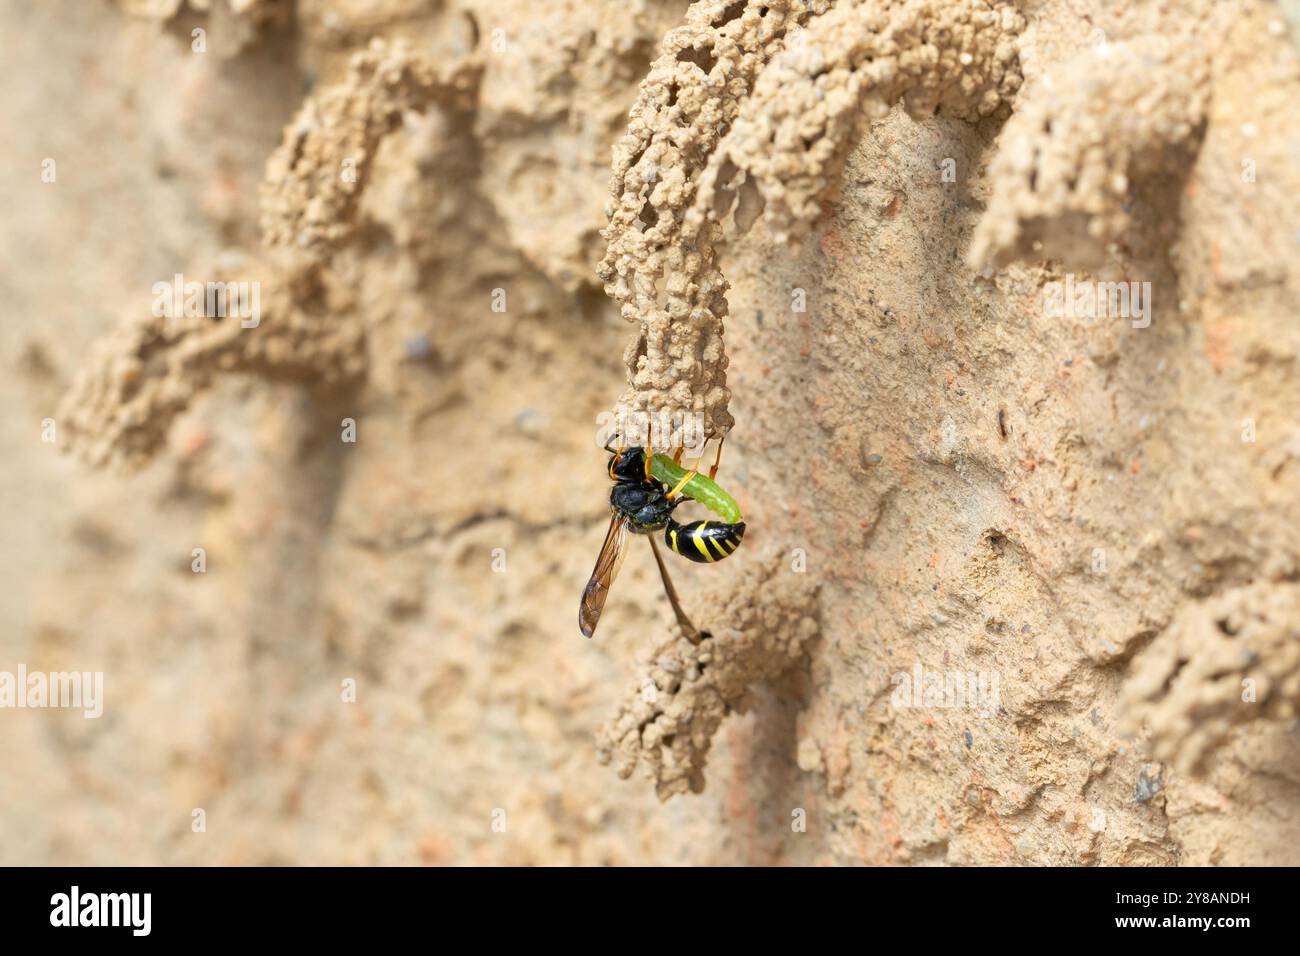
(681, 484)
(694, 470)
(688, 629)
(713, 472)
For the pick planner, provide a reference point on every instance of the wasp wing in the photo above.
(610, 560)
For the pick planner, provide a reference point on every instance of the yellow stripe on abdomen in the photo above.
(700, 546)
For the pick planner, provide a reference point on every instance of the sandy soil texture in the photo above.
(996, 304)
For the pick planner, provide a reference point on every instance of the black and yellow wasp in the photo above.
(641, 504)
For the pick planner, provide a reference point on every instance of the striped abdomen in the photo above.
(704, 541)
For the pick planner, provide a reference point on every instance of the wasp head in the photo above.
(628, 465)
